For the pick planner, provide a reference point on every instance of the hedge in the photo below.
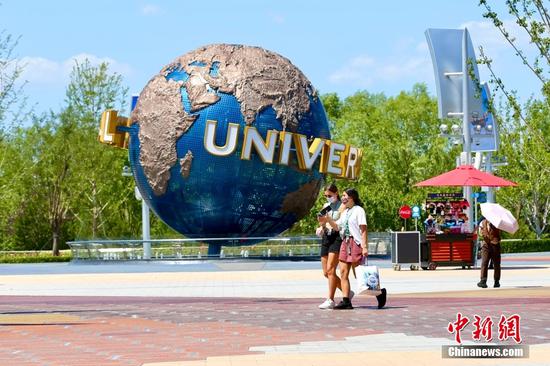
(34, 257)
(525, 246)
(507, 246)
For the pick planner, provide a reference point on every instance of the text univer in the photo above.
(337, 159)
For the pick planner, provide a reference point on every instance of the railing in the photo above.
(299, 247)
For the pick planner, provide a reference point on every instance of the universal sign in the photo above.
(337, 159)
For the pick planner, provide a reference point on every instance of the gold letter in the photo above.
(334, 157)
(285, 140)
(353, 163)
(307, 155)
(230, 140)
(265, 149)
(108, 129)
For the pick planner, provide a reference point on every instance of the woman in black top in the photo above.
(330, 245)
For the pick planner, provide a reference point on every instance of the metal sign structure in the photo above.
(453, 53)
(484, 129)
(459, 94)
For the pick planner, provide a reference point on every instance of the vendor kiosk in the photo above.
(448, 242)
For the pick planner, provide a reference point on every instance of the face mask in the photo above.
(331, 199)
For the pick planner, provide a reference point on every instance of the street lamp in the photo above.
(455, 136)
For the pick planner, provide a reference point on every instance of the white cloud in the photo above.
(355, 71)
(402, 70)
(150, 9)
(42, 71)
(365, 71)
(485, 34)
(276, 18)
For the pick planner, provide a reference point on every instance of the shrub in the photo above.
(33, 257)
(525, 246)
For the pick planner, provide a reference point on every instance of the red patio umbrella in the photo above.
(466, 176)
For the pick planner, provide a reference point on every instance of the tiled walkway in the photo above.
(121, 330)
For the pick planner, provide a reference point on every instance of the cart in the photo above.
(405, 249)
(447, 250)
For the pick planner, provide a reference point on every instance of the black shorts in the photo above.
(330, 243)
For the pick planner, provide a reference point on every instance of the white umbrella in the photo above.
(500, 217)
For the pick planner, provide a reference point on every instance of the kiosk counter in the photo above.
(448, 249)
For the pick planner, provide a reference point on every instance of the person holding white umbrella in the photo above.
(496, 218)
(490, 250)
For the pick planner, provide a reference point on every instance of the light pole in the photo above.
(467, 143)
(145, 223)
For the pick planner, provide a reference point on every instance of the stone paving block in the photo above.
(129, 330)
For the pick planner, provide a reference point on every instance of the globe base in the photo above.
(214, 249)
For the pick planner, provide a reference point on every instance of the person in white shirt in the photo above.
(352, 226)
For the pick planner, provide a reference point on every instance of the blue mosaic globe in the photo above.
(203, 195)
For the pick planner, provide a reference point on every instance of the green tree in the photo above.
(12, 111)
(12, 99)
(526, 127)
(91, 90)
(400, 140)
(77, 187)
(528, 161)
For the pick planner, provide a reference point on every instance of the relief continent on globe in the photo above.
(204, 195)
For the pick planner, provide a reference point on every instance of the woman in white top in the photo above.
(352, 225)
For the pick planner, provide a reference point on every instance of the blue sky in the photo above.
(341, 46)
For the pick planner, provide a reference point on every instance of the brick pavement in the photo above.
(91, 330)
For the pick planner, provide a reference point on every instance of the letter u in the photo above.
(230, 141)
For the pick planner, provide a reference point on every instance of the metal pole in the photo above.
(466, 146)
(145, 225)
(146, 229)
(475, 209)
(489, 169)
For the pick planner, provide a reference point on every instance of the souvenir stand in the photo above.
(448, 241)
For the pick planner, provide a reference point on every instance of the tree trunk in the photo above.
(55, 245)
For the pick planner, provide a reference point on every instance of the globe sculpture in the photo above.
(204, 185)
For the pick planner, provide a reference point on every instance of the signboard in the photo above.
(447, 59)
(415, 212)
(481, 197)
(446, 49)
(453, 196)
(405, 212)
(483, 129)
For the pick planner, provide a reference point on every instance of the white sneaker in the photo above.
(328, 304)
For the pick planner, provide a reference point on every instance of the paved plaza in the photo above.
(257, 313)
